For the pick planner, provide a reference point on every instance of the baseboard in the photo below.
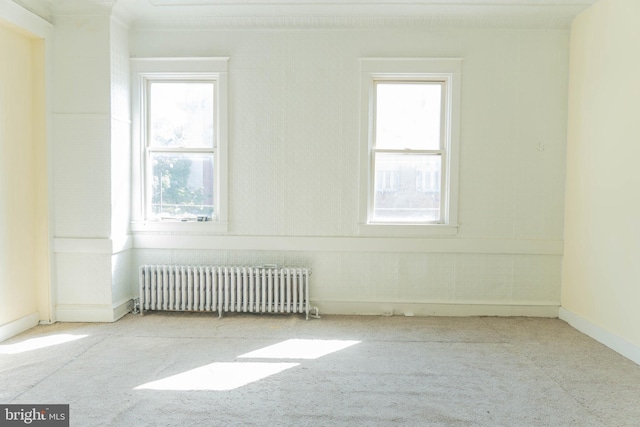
(122, 308)
(92, 312)
(598, 333)
(434, 309)
(16, 327)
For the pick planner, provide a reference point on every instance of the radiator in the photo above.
(261, 289)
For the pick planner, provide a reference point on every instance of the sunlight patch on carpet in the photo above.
(299, 349)
(38, 343)
(218, 376)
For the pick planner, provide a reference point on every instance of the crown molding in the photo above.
(82, 7)
(442, 21)
(347, 15)
(321, 14)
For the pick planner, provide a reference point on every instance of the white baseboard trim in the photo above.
(122, 308)
(603, 336)
(434, 309)
(84, 313)
(92, 312)
(18, 326)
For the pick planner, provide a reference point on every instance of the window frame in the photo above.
(445, 71)
(146, 71)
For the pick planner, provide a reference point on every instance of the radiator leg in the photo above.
(136, 306)
(315, 315)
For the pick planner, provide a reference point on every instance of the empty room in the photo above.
(319, 212)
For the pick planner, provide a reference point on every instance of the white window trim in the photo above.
(375, 69)
(143, 69)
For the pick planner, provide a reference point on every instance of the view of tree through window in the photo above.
(182, 185)
(181, 149)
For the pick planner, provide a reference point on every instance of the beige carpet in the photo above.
(186, 369)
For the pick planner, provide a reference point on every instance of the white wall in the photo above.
(120, 165)
(293, 162)
(293, 166)
(601, 272)
(91, 122)
(82, 166)
(120, 129)
(24, 238)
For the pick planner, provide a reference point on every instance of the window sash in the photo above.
(405, 81)
(183, 79)
(202, 200)
(150, 149)
(374, 187)
(441, 151)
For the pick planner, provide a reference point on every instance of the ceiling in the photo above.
(549, 14)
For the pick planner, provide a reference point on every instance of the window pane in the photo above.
(407, 187)
(408, 115)
(181, 115)
(182, 185)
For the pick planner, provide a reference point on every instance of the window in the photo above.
(410, 139)
(180, 131)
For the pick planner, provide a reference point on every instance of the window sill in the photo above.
(407, 230)
(179, 226)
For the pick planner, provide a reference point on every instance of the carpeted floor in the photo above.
(187, 369)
